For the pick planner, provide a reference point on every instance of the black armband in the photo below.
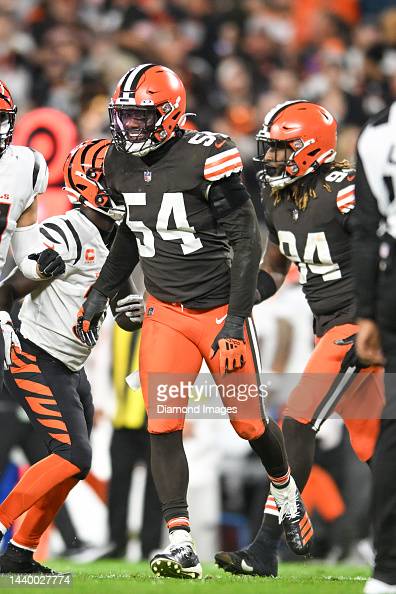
(226, 195)
(266, 286)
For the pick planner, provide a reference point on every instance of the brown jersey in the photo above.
(185, 255)
(318, 240)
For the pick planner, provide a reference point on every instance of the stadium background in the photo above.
(237, 59)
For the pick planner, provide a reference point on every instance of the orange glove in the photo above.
(230, 342)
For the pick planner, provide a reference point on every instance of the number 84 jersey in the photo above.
(318, 241)
(184, 253)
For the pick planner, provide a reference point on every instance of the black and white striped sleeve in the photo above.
(59, 233)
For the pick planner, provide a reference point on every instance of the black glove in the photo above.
(89, 317)
(49, 263)
(231, 342)
(351, 359)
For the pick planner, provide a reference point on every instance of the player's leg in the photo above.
(251, 422)
(167, 355)
(35, 450)
(49, 393)
(150, 534)
(18, 557)
(361, 409)
(43, 512)
(384, 484)
(311, 402)
(122, 466)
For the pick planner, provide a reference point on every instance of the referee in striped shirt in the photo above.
(375, 270)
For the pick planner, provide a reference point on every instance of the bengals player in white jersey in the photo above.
(23, 176)
(47, 375)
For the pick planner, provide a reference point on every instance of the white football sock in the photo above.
(180, 536)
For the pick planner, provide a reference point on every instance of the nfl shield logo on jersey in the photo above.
(147, 176)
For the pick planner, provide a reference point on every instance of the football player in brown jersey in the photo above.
(308, 200)
(199, 247)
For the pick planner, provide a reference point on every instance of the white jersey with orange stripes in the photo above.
(23, 175)
(49, 315)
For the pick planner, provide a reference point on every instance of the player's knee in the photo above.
(248, 430)
(159, 426)
(295, 430)
(82, 458)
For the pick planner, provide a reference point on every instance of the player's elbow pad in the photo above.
(227, 195)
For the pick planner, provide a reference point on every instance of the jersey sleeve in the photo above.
(223, 159)
(345, 202)
(40, 173)
(39, 177)
(59, 234)
(346, 199)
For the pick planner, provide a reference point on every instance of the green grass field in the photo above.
(119, 577)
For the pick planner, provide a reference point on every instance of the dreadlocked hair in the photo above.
(303, 190)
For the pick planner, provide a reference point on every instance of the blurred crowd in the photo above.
(237, 58)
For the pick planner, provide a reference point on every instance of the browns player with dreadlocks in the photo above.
(308, 201)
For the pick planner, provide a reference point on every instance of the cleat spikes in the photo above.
(177, 561)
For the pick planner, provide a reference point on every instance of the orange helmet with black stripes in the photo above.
(295, 139)
(148, 105)
(84, 178)
(7, 117)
